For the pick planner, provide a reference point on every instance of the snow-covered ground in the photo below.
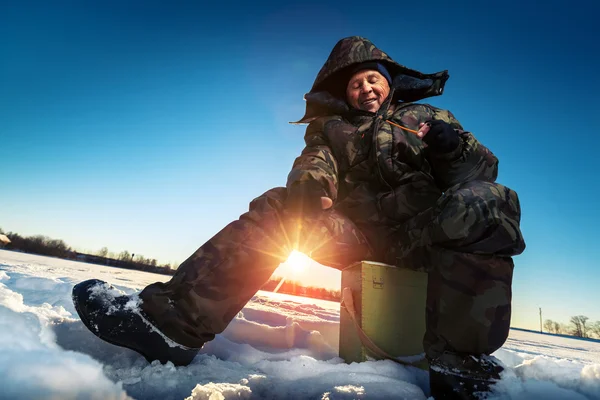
(278, 347)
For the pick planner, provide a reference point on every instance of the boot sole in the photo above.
(87, 324)
(81, 290)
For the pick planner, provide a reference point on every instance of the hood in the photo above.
(327, 95)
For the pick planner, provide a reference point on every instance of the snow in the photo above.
(278, 347)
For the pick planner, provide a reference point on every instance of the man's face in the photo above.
(367, 90)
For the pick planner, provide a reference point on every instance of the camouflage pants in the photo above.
(214, 283)
(464, 243)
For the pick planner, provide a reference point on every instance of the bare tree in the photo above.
(558, 328)
(595, 328)
(103, 252)
(579, 328)
(124, 256)
(58, 247)
(549, 325)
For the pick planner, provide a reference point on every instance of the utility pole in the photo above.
(541, 331)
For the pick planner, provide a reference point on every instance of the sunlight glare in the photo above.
(297, 261)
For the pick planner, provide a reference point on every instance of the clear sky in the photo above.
(147, 126)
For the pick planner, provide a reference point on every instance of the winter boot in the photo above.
(117, 319)
(463, 377)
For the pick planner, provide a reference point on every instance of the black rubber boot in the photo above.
(117, 319)
(463, 377)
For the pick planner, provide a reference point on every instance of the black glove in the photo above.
(441, 137)
(304, 199)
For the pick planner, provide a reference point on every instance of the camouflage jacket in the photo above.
(372, 169)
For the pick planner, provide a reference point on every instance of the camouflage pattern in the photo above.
(465, 243)
(410, 85)
(395, 201)
(213, 284)
(356, 49)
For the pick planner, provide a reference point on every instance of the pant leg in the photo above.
(213, 284)
(465, 243)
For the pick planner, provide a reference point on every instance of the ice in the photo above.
(278, 346)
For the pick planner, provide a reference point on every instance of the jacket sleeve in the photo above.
(470, 161)
(316, 162)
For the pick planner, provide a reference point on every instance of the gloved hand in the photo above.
(440, 136)
(304, 199)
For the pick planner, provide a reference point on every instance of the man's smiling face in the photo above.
(367, 90)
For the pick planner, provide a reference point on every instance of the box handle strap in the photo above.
(348, 303)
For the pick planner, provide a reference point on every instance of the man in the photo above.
(365, 187)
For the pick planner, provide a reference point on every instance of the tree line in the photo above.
(295, 288)
(46, 246)
(578, 326)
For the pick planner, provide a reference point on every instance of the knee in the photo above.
(491, 201)
(483, 216)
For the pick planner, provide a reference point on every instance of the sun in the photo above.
(297, 261)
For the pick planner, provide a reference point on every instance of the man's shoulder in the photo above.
(422, 110)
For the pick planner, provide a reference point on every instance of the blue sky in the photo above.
(147, 126)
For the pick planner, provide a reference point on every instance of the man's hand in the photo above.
(326, 203)
(439, 135)
(307, 199)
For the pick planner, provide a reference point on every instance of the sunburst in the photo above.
(297, 261)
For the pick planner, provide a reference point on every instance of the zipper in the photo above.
(376, 123)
